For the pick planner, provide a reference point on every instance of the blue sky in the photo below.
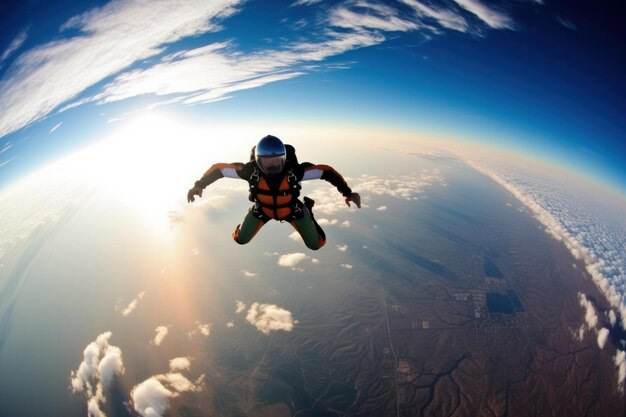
(537, 76)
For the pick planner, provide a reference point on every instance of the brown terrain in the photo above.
(459, 305)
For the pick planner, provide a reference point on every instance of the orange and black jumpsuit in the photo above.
(276, 198)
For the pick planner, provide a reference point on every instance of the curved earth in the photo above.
(442, 296)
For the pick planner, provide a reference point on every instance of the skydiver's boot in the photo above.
(309, 203)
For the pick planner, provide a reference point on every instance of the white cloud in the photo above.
(230, 324)
(269, 317)
(295, 236)
(55, 127)
(180, 364)
(381, 208)
(347, 266)
(612, 317)
(603, 334)
(101, 363)
(620, 362)
(240, 306)
(566, 23)
(305, 2)
(15, 44)
(161, 332)
(449, 19)
(591, 318)
(290, 260)
(133, 304)
(150, 398)
(345, 223)
(202, 328)
(249, 274)
(493, 18)
(342, 248)
(370, 16)
(111, 38)
(589, 236)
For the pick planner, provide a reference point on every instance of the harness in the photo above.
(270, 202)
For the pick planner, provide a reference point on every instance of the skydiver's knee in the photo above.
(238, 238)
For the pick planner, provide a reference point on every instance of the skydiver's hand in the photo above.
(195, 191)
(355, 198)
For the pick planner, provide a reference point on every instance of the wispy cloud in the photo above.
(566, 23)
(133, 304)
(101, 363)
(240, 306)
(269, 317)
(493, 18)
(342, 248)
(346, 266)
(110, 38)
(56, 126)
(366, 15)
(113, 39)
(449, 19)
(15, 44)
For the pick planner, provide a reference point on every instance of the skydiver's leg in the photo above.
(245, 231)
(311, 232)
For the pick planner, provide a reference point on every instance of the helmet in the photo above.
(270, 155)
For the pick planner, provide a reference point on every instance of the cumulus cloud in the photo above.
(180, 364)
(203, 328)
(346, 223)
(240, 306)
(101, 363)
(161, 332)
(290, 260)
(151, 397)
(347, 266)
(295, 236)
(588, 236)
(603, 334)
(381, 208)
(133, 304)
(342, 248)
(620, 362)
(269, 317)
(591, 318)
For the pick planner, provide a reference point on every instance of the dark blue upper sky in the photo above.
(539, 76)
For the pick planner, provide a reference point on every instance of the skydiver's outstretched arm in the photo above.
(213, 174)
(327, 173)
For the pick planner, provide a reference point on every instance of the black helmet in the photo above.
(270, 155)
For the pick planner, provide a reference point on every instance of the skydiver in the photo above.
(274, 175)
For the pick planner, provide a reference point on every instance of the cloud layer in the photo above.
(588, 229)
(123, 49)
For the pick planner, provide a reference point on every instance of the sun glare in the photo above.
(150, 162)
